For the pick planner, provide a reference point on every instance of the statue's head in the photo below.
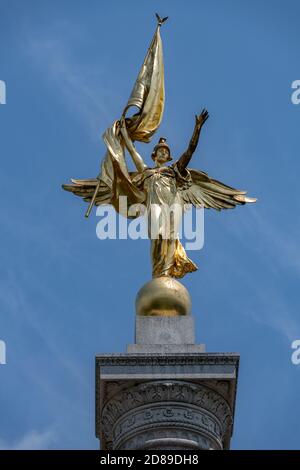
(161, 153)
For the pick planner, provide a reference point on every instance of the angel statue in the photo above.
(161, 184)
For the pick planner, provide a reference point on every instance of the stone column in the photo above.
(165, 392)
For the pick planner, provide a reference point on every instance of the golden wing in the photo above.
(212, 194)
(86, 189)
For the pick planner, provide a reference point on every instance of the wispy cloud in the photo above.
(80, 85)
(275, 312)
(272, 237)
(269, 305)
(31, 440)
(15, 300)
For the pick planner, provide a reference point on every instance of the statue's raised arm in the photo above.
(185, 158)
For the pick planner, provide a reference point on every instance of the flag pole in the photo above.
(93, 199)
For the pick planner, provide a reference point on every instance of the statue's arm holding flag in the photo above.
(136, 157)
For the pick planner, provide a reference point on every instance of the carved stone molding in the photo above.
(163, 360)
(165, 401)
(155, 406)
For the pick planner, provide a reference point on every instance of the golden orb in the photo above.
(164, 297)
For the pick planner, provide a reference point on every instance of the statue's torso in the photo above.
(160, 185)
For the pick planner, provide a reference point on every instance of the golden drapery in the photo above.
(148, 95)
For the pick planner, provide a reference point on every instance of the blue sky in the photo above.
(69, 67)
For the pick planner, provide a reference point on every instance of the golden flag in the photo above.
(148, 94)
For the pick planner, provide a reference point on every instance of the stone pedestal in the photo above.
(165, 392)
(165, 335)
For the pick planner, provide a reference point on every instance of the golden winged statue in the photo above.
(159, 185)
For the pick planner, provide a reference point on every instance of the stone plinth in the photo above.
(165, 334)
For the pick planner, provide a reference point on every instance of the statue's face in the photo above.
(162, 155)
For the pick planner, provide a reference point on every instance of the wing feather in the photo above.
(86, 188)
(212, 194)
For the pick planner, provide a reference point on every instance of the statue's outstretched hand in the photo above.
(200, 120)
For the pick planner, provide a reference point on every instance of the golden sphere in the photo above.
(164, 297)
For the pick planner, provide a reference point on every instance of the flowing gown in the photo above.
(164, 211)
